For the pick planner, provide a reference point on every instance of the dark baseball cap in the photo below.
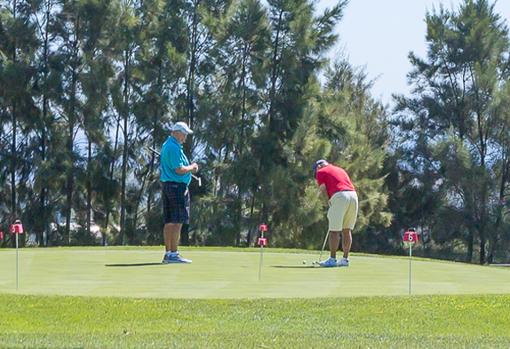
(318, 163)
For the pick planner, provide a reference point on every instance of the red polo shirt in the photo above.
(335, 178)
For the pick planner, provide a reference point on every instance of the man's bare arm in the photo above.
(185, 169)
(323, 192)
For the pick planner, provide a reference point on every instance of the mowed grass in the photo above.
(233, 274)
(219, 302)
(356, 322)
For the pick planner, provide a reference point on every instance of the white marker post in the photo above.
(262, 242)
(410, 238)
(16, 229)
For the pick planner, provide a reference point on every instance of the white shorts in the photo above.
(343, 210)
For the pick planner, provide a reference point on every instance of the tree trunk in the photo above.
(89, 187)
(274, 72)
(494, 235)
(70, 170)
(190, 83)
(192, 66)
(42, 199)
(125, 150)
(44, 227)
(111, 170)
(14, 155)
(70, 139)
(250, 227)
(71, 125)
(470, 242)
(241, 140)
(139, 200)
(151, 172)
(482, 247)
(483, 218)
(157, 116)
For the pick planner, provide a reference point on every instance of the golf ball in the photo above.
(304, 262)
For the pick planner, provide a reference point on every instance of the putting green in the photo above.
(233, 273)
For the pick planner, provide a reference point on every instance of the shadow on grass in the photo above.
(132, 264)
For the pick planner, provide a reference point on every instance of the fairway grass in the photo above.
(233, 274)
(359, 322)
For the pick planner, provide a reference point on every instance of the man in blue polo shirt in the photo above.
(175, 176)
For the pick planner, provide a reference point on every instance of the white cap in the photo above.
(181, 126)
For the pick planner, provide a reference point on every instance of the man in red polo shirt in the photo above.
(335, 184)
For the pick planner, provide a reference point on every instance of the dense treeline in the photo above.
(87, 87)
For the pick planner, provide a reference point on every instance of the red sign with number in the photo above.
(16, 228)
(262, 242)
(263, 227)
(411, 236)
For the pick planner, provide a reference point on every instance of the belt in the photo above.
(181, 184)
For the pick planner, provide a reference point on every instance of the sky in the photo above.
(378, 35)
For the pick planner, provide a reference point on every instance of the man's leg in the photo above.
(348, 224)
(346, 242)
(334, 242)
(172, 232)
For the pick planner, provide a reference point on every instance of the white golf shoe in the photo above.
(174, 257)
(344, 262)
(328, 263)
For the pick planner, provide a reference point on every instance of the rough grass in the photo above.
(360, 322)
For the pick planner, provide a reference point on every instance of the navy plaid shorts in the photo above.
(176, 203)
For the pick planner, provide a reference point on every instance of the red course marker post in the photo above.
(16, 229)
(410, 238)
(262, 241)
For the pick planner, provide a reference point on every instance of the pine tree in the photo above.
(162, 67)
(95, 79)
(452, 111)
(46, 180)
(240, 54)
(68, 65)
(17, 47)
(298, 44)
(127, 44)
(347, 127)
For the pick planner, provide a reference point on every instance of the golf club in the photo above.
(192, 175)
(323, 246)
(316, 263)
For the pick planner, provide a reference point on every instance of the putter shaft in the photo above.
(323, 246)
